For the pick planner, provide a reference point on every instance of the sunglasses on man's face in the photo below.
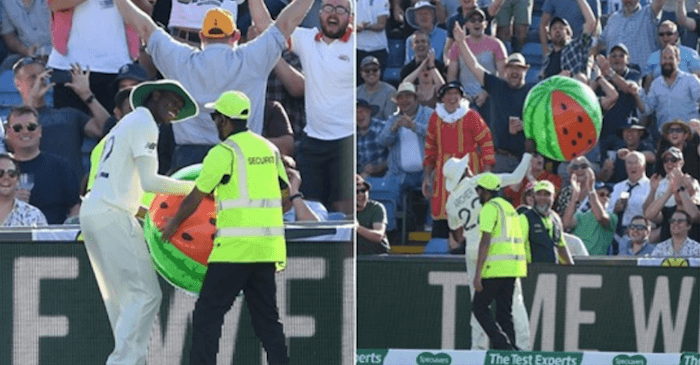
(361, 191)
(671, 159)
(667, 34)
(675, 130)
(30, 127)
(677, 220)
(10, 172)
(579, 166)
(638, 227)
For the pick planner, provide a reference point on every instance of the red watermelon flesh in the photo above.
(195, 235)
(575, 130)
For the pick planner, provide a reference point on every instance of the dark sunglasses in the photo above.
(30, 127)
(676, 130)
(579, 166)
(638, 227)
(370, 70)
(671, 159)
(361, 191)
(24, 61)
(667, 34)
(677, 220)
(476, 20)
(10, 172)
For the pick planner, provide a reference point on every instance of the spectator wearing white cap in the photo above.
(422, 16)
(404, 136)
(375, 91)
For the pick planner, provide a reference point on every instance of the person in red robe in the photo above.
(454, 130)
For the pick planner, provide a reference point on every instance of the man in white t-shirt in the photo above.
(325, 153)
(114, 239)
(370, 19)
(463, 209)
(92, 34)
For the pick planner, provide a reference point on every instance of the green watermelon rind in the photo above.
(535, 110)
(173, 265)
(573, 88)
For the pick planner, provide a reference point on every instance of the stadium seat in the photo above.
(532, 53)
(397, 53)
(337, 216)
(532, 76)
(436, 246)
(392, 75)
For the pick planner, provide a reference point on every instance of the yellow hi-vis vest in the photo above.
(506, 255)
(249, 222)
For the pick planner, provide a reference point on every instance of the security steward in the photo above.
(246, 175)
(501, 260)
(542, 230)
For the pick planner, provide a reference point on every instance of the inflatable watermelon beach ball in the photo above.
(183, 261)
(562, 115)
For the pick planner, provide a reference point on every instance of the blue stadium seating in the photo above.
(437, 246)
(532, 76)
(532, 53)
(397, 53)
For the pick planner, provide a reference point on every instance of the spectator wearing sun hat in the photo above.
(683, 136)
(219, 66)
(422, 16)
(371, 156)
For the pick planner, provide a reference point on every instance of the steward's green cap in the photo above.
(233, 104)
(489, 181)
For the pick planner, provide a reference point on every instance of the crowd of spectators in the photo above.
(73, 62)
(635, 193)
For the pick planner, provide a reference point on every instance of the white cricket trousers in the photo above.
(480, 341)
(119, 257)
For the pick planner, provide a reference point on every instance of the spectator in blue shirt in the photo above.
(668, 34)
(673, 95)
(422, 16)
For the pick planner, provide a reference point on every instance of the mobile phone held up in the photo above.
(60, 76)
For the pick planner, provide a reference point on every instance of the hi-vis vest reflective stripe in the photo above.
(261, 237)
(506, 255)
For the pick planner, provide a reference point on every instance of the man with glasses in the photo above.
(64, 128)
(114, 239)
(325, 152)
(679, 244)
(375, 91)
(15, 212)
(668, 34)
(56, 183)
(371, 221)
(219, 66)
(596, 226)
(636, 242)
(685, 137)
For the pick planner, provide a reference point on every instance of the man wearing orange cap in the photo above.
(219, 66)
